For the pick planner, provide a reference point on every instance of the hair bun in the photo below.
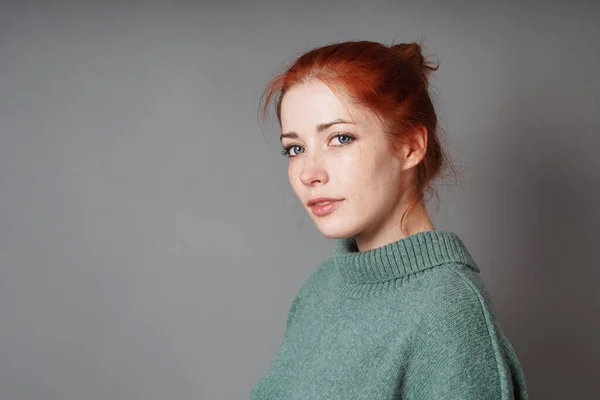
(411, 52)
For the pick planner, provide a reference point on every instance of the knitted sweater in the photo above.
(408, 320)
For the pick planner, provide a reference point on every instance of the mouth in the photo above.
(323, 207)
(321, 201)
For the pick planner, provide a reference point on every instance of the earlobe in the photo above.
(414, 151)
(421, 139)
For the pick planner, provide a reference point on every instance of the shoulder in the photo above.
(457, 350)
(452, 290)
(453, 309)
(317, 277)
(306, 291)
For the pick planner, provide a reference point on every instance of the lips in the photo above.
(321, 207)
(321, 201)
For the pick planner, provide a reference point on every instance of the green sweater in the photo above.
(408, 320)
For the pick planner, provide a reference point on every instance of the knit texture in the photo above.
(408, 320)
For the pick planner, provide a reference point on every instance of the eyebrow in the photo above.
(320, 128)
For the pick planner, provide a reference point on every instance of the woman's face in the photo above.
(348, 161)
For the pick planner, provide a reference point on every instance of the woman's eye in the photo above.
(296, 149)
(292, 150)
(343, 138)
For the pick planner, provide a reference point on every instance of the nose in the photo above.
(314, 170)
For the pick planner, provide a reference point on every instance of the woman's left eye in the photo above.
(344, 138)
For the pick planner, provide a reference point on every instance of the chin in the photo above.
(335, 230)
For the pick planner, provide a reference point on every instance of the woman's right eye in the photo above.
(287, 151)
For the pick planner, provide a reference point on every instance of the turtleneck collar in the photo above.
(407, 256)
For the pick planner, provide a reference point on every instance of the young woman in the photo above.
(399, 311)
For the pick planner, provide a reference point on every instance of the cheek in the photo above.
(366, 175)
(352, 171)
(294, 177)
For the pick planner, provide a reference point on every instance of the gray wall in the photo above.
(150, 244)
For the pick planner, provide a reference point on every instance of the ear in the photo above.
(415, 149)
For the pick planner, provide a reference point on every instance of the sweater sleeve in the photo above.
(457, 352)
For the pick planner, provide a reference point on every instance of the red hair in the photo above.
(392, 82)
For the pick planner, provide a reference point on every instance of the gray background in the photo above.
(150, 243)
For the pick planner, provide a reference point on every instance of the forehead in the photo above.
(303, 106)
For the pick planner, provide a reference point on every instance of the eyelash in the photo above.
(285, 150)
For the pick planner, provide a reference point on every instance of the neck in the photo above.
(390, 231)
(367, 273)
